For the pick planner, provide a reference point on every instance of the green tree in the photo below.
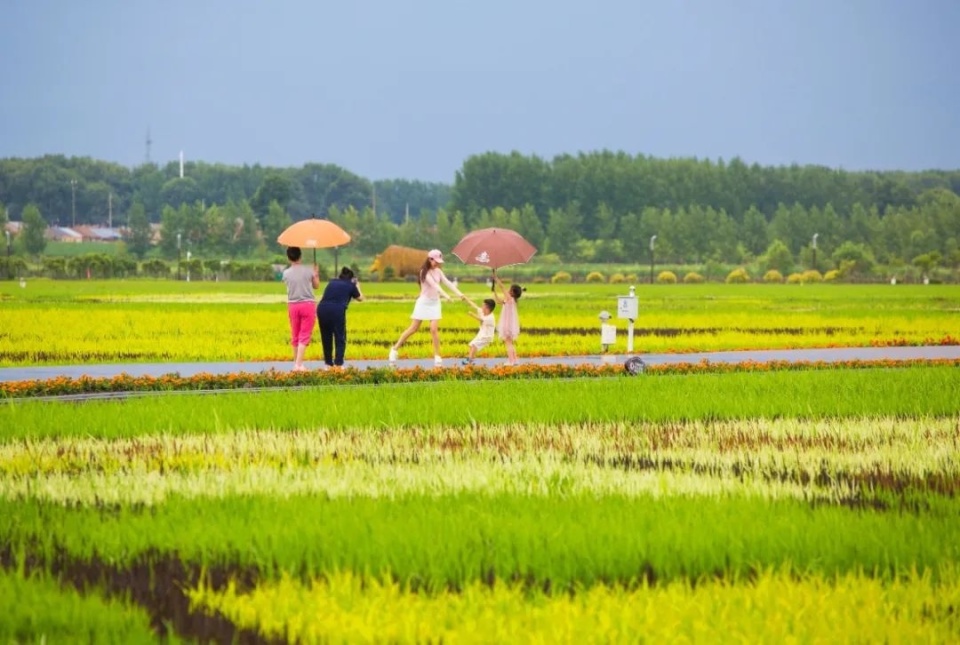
(245, 233)
(778, 257)
(274, 188)
(853, 259)
(274, 224)
(34, 227)
(218, 230)
(147, 188)
(379, 231)
(605, 222)
(450, 230)
(418, 232)
(563, 230)
(139, 237)
(530, 226)
(175, 225)
(179, 191)
(927, 261)
(754, 231)
(723, 237)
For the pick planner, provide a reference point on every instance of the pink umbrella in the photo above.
(494, 248)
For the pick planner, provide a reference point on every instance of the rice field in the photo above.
(760, 505)
(754, 506)
(56, 322)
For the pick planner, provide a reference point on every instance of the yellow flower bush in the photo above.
(667, 277)
(738, 276)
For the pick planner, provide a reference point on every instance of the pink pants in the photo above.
(302, 318)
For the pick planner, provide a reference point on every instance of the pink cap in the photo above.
(436, 256)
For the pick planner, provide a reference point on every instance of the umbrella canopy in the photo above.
(314, 234)
(494, 248)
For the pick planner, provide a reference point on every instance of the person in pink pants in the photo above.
(301, 304)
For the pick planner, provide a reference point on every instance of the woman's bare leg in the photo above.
(298, 365)
(414, 326)
(435, 334)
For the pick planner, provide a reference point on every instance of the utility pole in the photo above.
(73, 195)
(813, 245)
(653, 255)
(110, 211)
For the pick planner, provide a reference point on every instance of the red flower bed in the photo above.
(62, 386)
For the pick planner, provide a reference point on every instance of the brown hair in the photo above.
(422, 274)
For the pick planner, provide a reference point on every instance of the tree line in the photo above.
(608, 205)
(596, 207)
(81, 190)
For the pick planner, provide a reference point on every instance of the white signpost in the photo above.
(628, 308)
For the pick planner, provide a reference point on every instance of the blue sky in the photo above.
(393, 89)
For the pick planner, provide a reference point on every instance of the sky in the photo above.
(410, 89)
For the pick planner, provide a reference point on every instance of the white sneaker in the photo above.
(437, 361)
(393, 355)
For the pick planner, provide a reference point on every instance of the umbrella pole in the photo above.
(336, 259)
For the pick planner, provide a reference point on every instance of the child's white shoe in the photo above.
(437, 361)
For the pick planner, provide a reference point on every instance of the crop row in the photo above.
(908, 391)
(558, 542)
(774, 606)
(858, 462)
(38, 609)
(70, 326)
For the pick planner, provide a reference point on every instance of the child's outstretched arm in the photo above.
(468, 301)
(503, 289)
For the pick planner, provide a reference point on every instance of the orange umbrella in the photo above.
(315, 234)
(494, 248)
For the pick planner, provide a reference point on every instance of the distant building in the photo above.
(62, 234)
(99, 234)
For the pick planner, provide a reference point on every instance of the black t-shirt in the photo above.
(339, 293)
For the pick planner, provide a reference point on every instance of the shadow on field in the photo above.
(155, 581)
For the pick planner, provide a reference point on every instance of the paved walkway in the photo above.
(831, 355)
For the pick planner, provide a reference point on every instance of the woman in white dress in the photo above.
(427, 307)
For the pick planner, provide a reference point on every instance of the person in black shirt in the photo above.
(332, 315)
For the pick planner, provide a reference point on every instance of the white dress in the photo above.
(427, 306)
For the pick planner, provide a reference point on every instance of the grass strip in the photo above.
(39, 610)
(768, 609)
(552, 543)
(911, 391)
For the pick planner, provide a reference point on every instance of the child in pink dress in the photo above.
(509, 318)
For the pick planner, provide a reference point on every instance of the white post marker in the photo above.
(608, 336)
(627, 308)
